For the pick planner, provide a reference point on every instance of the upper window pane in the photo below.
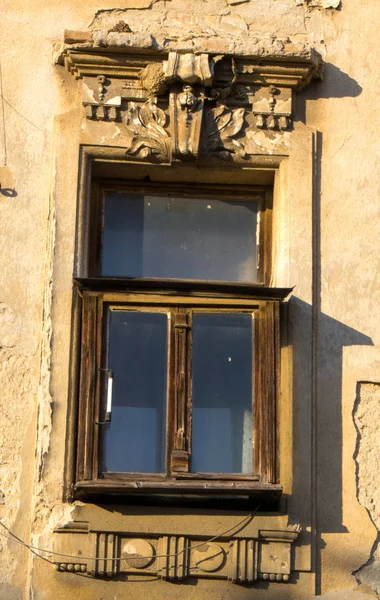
(180, 238)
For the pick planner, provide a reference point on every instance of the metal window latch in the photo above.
(107, 418)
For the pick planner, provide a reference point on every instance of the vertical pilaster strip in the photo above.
(172, 561)
(243, 561)
(162, 558)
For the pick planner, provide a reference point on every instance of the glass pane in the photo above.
(222, 393)
(134, 441)
(181, 238)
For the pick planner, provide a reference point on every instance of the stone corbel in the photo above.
(174, 557)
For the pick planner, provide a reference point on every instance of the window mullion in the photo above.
(180, 456)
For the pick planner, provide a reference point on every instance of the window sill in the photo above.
(169, 286)
(250, 489)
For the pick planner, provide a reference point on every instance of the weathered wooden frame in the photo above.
(266, 368)
(97, 165)
(261, 195)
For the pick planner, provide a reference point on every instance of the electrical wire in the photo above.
(35, 549)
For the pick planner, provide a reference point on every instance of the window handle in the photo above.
(109, 398)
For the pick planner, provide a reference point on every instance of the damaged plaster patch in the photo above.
(319, 3)
(366, 417)
(139, 4)
(12, 332)
(117, 15)
(267, 142)
(45, 400)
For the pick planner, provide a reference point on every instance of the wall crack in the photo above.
(366, 417)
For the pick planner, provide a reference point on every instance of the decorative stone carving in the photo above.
(209, 557)
(103, 111)
(174, 557)
(243, 566)
(149, 137)
(188, 68)
(222, 127)
(272, 108)
(138, 553)
(212, 100)
(186, 109)
(103, 82)
(71, 567)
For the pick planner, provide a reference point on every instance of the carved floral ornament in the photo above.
(190, 106)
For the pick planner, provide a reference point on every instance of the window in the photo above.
(179, 343)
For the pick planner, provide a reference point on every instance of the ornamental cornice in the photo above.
(181, 105)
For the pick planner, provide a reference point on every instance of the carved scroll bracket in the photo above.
(269, 556)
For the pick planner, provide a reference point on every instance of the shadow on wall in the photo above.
(335, 84)
(317, 403)
(8, 192)
(318, 341)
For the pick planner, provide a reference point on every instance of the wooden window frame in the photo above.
(262, 196)
(94, 293)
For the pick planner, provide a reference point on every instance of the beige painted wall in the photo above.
(333, 317)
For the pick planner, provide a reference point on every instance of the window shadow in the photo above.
(317, 380)
(318, 341)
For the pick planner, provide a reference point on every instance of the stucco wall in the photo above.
(327, 246)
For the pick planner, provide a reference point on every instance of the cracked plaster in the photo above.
(319, 3)
(215, 32)
(367, 456)
(18, 369)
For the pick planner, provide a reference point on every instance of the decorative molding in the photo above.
(222, 126)
(146, 124)
(103, 111)
(189, 68)
(187, 106)
(176, 557)
(272, 108)
(295, 72)
(186, 112)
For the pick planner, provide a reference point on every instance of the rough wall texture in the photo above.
(42, 126)
(367, 421)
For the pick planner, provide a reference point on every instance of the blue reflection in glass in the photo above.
(180, 238)
(222, 393)
(134, 441)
